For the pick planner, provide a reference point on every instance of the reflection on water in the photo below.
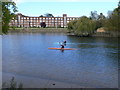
(95, 60)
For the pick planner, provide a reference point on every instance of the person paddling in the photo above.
(62, 46)
(64, 41)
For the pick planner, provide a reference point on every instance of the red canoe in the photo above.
(63, 48)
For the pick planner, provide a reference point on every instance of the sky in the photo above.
(73, 8)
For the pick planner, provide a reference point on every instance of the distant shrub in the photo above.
(82, 27)
(43, 24)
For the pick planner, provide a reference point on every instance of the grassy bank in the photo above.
(106, 34)
(38, 30)
(62, 30)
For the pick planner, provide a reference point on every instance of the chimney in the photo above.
(65, 20)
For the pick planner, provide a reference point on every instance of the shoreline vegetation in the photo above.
(63, 30)
(82, 27)
(37, 30)
(95, 25)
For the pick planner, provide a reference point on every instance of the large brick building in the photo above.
(27, 21)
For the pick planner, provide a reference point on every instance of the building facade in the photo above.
(27, 21)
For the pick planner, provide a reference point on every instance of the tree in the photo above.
(71, 25)
(113, 22)
(8, 13)
(48, 15)
(0, 17)
(41, 16)
(82, 27)
(119, 3)
(100, 21)
(101, 16)
(43, 24)
(109, 14)
(94, 15)
(98, 18)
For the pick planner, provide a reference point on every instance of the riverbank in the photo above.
(38, 30)
(99, 34)
(38, 82)
(62, 30)
(106, 34)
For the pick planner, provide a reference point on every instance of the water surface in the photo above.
(93, 64)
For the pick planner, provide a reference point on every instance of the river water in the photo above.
(93, 64)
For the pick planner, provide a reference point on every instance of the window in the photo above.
(52, 20)
(68, 18)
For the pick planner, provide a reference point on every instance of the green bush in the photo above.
(84, 26)
(113, 22)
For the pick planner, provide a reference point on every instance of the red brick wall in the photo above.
(26, 21)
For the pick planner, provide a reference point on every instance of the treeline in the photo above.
(86, 26)
(8, 13)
